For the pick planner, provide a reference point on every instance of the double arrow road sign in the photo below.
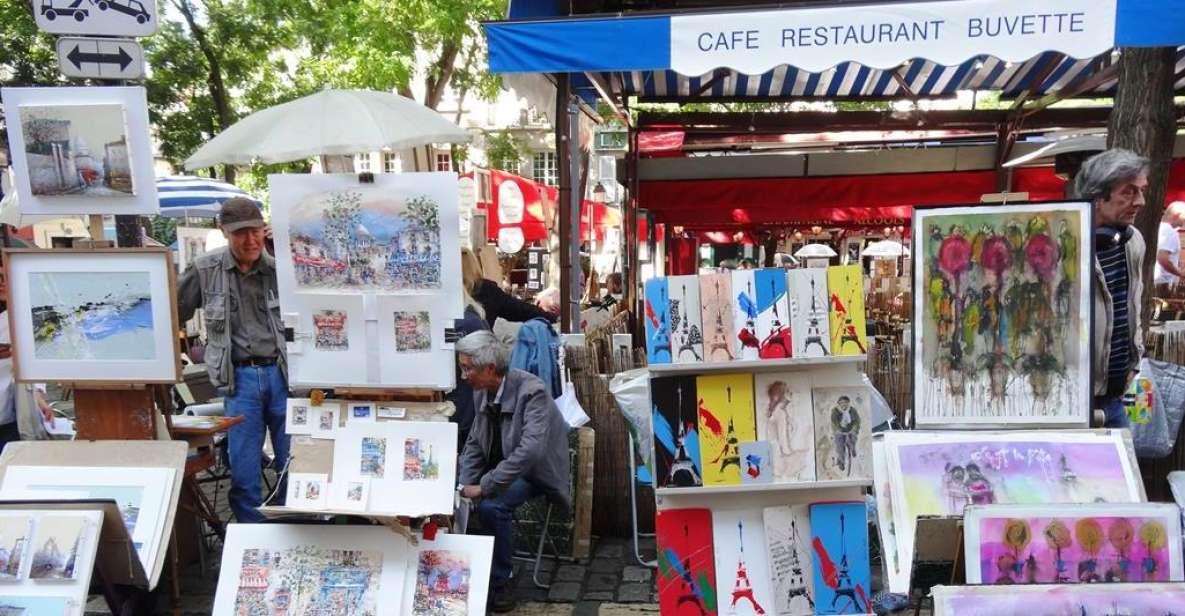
(100, 58)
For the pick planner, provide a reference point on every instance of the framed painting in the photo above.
(47, 560)
(657, 315)
(773, 314)
(843, 433)
(788, 547)
(894, 575)
(85, 150)
(744, 315)
(725, 421)
(448, 576)
(1002, 315)
(810, 325)
(686, 565)
(676, 432)
(1125, 599)
(327, 329)
(400, 458)
(93, 316)
(742, 566)
(785, 420)
(687, 339)
(849, 335)
(1073, 544)
(843, 577)
(715, 292)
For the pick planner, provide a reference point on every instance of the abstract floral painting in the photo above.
(59, 542)
(715, 293)
(687, 339)
(788, 546)
(329, 330)
(744, 315)
(810, 325)
(657, 321)
(81, 316)
(419, 462)
(839, 542)
(77, 150)
(442, 584)
(843, 436)
(1003, 314)
(773, 314)
(686, 569)
(725, 420)
(1061, 600)
(676, 432)
(845, 283)
(16, 534)
(742, 566)
(785, 418)
(413, 332)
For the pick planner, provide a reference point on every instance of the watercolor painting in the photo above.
(413, 332)
(725, 405)
(308, 579)
(1059, 600)
(16, 533)
(788, 547)
(686, 568)
(326, 420)
(442, 584)
(742, 566)
(365, 240)
(128, 498)
(58, 541)
(785, 418)
(1004, 314)
(687, 340)
(852, 248)
(17, 605)
(657, 321)
(715, 293)
(744, 315)
(845, 283)
(191, 244)
(1139, 401)
(756, 466)
(419, 463)
(81, 316)
(77, 150)
(885, 524)
(356, 492)
(373, 460)
(810, 325)
(676, 432)
(842, 574)
(843, 436)
(298, 417)
(1070, 544)
(773, 314)
(330, 330)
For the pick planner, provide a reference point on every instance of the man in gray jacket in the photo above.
(517, 449)
(245, 348)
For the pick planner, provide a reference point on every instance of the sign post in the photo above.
(97, 58)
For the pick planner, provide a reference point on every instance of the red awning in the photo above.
(539, 202)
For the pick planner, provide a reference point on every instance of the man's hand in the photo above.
(44, 407)
(471, 491)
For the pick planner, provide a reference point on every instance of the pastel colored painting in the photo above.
(1003, 314)
(16, 534)
(788, 546)
(419, 462)
(413, 332)
(773, 314)
(36, 606)
(1068, 544)
(657, 321)
(676, 432)
(81, 316)
(843, 436)
(715, 294)
(686, 569)
(58, 542)
(842, 574)
(756, 466)
(77, 150)
(442, 584)
(845, 283)
(1061, 600)
(744, 315)
(687, 339)
(725, 420)
(785, 419)
(373, 457)
(365, 239)
(886, 528)
(308, 579)
(330, 333)
(810, 325)
(742, 566)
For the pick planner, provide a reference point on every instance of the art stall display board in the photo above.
(676, 432)
(715, 296)
(46, 560)
(744, 315)
(843, 578)
(373, 272)
(742, 566)
(725, 421)
(657, 313)
(687, 340)
(843, 436)
(81, 150)
(142, 477)
(773, 314)
(941, 473)
(810, 327)
(686, 565)
(1003, 314)
(410, 465)
(1071, 544)
(311, 569)
(894, 574)
(1088, 599)
(788, 546)
(448, 576)
(93, 316)
(785, 420)
(849, 335)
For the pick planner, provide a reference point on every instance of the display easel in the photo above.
(937, 555)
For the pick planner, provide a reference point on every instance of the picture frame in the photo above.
(1117, 598)
(132, 339)
(60, 171)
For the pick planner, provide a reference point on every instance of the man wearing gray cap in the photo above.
(236, 288)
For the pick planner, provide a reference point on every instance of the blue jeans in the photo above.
(497, 517)
(261, 395)
(1115, 414)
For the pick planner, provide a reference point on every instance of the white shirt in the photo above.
(1167, 240)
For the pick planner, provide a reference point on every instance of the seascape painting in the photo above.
(81, 316)
(842, 572)
(773, 314)
(79, 150)
(725, 420)
(413, 332)
(742, 566)
(849, 335)
(374, 457)
(657, 321)
(676, 432)
(715, 293)
(1003, 314)
(788, 546)
(744, 315)
(442, 584)
(330, 330)
(309, 579)
(419, 463)
(785, 418)
(686, 567)
(16, 533)
(843, 434)
(365, 239)
(809, 321)
(58, 542)
(1060, 600)
(687, 340)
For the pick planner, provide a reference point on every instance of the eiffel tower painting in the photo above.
(840, 544)
(686, 327)
(726, 419)
(686, 575)
(809, 318)
(787, 539)
(715, 299)
(657, 321)
(676, 432)
(742, 567)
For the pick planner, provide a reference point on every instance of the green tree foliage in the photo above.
(504, 151)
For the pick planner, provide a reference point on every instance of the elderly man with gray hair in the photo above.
(1114, 182)
(517, 449)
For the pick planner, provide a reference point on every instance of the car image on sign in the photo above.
(133, 8)
(127, 18)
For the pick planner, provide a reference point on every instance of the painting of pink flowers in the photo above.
(1002, 314)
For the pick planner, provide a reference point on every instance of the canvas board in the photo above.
(86, 150)
(744, 315)
(676, 432)
(773, 314)
(809, 321)
(788, 547)
(308, 491)
(785, 418)
(410, 465)
(843, 433)
(725, 420)
(93, 316)
(1071, 544)
(839, 538)
(47, 560)
(849, 335)
(686, 572)
(1059, 600)
(894, 574)
(1003, 315)
(657, 321)
(715, 294)
(448, 576)
(687, 339)
(742, 565)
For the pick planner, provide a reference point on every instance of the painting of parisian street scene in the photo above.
(309, 579)
(79, 150)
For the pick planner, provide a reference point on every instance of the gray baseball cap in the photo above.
(239, 213)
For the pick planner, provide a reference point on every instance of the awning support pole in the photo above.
(567, 145)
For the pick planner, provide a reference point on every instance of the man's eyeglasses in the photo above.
(467, 369)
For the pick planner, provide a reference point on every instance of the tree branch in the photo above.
(214, 81)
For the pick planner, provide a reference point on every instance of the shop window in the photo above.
(361, 162)
(390, 162)
(544, 169)
(444, 161)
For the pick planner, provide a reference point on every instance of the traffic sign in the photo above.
(96, 17)
(100, 58)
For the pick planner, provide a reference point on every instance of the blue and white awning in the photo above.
(187, 195)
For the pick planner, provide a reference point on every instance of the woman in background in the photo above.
(495, 302)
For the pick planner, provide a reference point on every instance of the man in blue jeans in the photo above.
(246, 356)
(517, 449)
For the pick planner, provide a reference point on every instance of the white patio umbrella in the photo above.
(10, 209)
(327, 123)
(1073, 143)
(815, 250)
(885, 248)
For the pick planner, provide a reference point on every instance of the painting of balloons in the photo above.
(1002, 314)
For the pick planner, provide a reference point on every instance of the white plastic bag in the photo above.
(631, 390)
(570, 407)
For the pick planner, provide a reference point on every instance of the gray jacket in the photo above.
(1101, 339)
(534, 441)
(206, 285)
